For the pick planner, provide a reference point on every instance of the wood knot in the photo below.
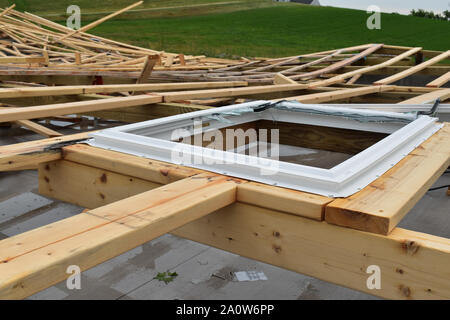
(410, 247)
(276, 248)
(405, 291)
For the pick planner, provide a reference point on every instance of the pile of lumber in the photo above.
(32, 43)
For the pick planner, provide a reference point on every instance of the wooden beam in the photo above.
(412, 70)
(96, 187)
(31, 153)
(17, 60)
(413, 265)
(97, 22)
(429, 97)
(35, 127)
(380, 206)
(282, 79)
(338, 94)
(89, 89)
(13, 114)
(197, 94)
(439, 82)
(151, 170)
(150, 62)
(144, 113)
(37, 259)
(5, 11)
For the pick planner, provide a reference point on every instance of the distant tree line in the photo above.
(430, 14)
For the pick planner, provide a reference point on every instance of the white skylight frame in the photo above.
(342, 180)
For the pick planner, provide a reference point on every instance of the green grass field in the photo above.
(278, 30)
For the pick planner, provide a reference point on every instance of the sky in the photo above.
(400, 6)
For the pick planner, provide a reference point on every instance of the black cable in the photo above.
(441, 187)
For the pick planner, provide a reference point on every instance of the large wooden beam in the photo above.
(413, 265)
(86, 186)
(381, 205)
(37, 259)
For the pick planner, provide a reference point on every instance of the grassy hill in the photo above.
(278, 30)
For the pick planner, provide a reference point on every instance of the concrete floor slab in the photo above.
(21, 204)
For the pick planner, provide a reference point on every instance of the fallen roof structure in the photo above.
(49, 73)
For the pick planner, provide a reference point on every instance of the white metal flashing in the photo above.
(150, 139)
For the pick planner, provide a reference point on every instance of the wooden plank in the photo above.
(70, 90)
(282, 79)
(144, 113)
(35, 127)
(37, 259)
(381, 205)
(95, 187)
(439, 82)
(13, 114)
(26, 154)
(429, 97)
(5, 11)
(150, 62)
(413, 265)
(338, 94)
(197, 94)
(17, 60)
(99, 21)
(414, 69)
